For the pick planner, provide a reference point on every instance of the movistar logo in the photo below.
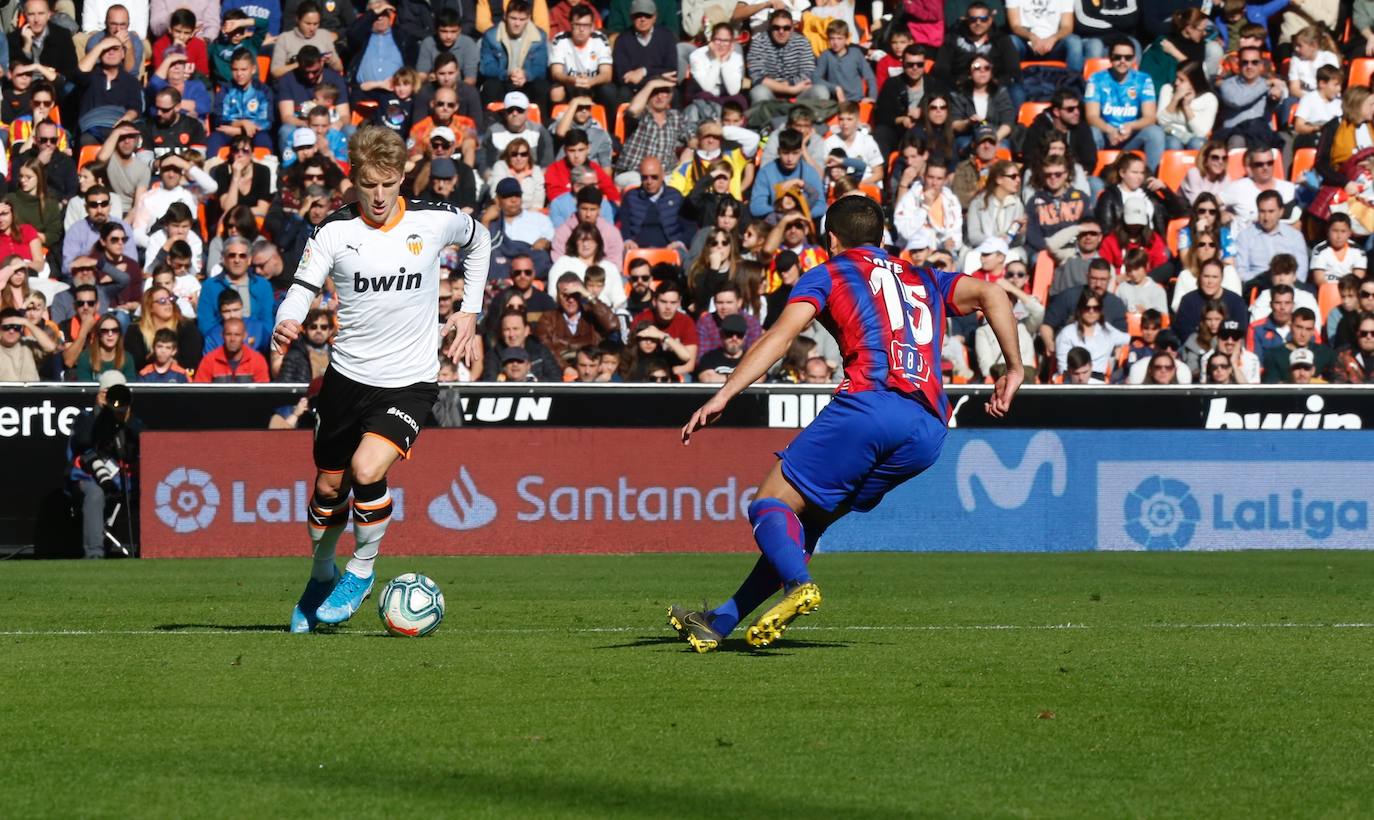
(1010, 487)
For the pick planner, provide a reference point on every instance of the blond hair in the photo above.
(375, 149)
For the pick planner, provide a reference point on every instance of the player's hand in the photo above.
(285, 333)
(465, 340)
(708, 414)
(1004, 391)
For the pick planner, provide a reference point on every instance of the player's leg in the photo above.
(776, 516)
(326, 518)
(371, 514)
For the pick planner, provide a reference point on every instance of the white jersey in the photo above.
(387, 278)
(580, 62)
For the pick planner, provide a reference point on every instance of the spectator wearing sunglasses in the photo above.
(1356, 364)
(236, 277)
(1248, 101)
(17, 360)
(977, 35)
(171, 125)
(109, 93)
(1239, 196)
(159, 312)
(296, 89)
(1120, 103)
(83, 235)
(307, 358)
(782, 64)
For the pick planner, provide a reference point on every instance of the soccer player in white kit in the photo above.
(382, 253)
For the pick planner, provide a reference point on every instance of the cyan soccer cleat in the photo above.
(303, 616)
(345, 599)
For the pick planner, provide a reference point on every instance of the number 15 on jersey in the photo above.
(908, 317)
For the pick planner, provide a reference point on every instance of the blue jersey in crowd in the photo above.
(1120, 101)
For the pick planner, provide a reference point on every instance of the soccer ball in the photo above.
(411, 605)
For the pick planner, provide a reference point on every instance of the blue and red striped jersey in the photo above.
(887, 316)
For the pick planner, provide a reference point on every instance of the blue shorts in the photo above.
(860, 446)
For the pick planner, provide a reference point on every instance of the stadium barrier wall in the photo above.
(629, 490)
(35, 420)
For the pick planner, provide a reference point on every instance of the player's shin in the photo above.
(758, 587)
(328, 515)
(780, 536)
(371, 514)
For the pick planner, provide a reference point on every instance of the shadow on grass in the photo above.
(221, 627)
(736, 645)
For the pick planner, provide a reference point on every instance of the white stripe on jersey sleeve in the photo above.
(316, 263)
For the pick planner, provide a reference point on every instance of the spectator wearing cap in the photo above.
(448, 184)
(233, 361)
(1134, 232)
(108, 93)
(302, 32)
(590, 210)
(577, 155)
(651, 215)
(1230, 346)
(1265, 238)
(514, 332)
(514, 221)
(1302, 369)
(992, 259)
(296, 90)
(788, 173)
(173, 126)
(515, 123)
(514, 57)
(380, 48)
(562, 207)
(707, 151)
(716, 364)
(729, 304)
(970, 174)
(304, 144)
(781, 63)
(515, 366)
(659, 131)
(580, 319)
(647, 52)
(578, 115)
(82, 235)
(1302, 339)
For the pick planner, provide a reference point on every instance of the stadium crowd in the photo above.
(1173, 194)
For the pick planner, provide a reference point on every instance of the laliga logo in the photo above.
(1010, 487)
(462, 508)
(187, 500)
(1161, 514)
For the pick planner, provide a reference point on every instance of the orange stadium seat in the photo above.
(264, 67)
(1045, 63)
(865, 33)
(872, 192)
(1171, 233)
(1361, 71)
(1174, 166)
(1304, 159)
(88, 153)
(1043, 277)
(1105, 157)
(620, 121)
(1092, 65)
(652, 255)
(1029, 111)
(1328, 297)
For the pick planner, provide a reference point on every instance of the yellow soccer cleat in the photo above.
(694, 627)
(802, 600)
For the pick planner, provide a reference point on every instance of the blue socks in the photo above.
(786, 550)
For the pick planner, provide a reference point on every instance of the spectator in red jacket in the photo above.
(232, 361)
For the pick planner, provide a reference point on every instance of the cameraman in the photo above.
(100, 454)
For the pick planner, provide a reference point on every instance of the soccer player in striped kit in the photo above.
(885, 425)
(382, 253)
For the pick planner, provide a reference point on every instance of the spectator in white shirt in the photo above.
(856, 143)
(1239, 194)
(1283, 270)
(1317, 108)
(718, 68)
(1336, 257)
(1088, 331)
(1136, 289)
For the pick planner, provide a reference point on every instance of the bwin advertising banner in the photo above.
(1068, 490)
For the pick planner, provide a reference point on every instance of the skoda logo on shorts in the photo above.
(186, 500)
(1161, 514)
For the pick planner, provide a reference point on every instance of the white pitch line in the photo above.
(38, 633)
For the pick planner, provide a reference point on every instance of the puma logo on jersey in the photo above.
(353, 248)
(380, 284)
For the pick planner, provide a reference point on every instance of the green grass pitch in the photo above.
(1103, 685)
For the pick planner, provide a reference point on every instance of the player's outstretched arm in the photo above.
(763, 355)
(974, 294)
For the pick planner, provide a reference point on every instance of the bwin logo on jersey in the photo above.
(381, 284)
(1010, 487)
